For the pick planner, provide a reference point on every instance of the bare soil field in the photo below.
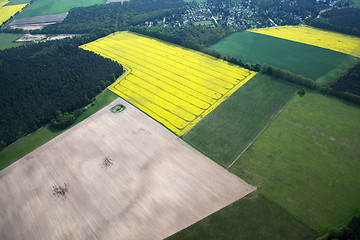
(38, 22)
(109, 1)
(42, 37)
(113, 176)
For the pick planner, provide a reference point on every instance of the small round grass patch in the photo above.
(117, 108)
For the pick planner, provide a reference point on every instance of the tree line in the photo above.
(39, 80)
(330, 89)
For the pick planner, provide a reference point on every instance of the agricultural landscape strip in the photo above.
(319, 64)
(50, 7)
(114, 176)
(317, 37)
(231, 127)
(307, 161)
(175, 86)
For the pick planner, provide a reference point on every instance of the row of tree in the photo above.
(309, 83)
(38, 80)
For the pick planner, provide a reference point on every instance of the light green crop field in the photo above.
(356, 3)
(34, 140)
(47, 7)
(16, 2)
(233, 125)
(319, 64)
(252, 217)
(308, 161)
(7, 40)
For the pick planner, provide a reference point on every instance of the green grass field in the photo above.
(32, 141)
(356, 3)
(317, 63)
(232, 126)
(16, 2)
(308, 161)
(253, 217)
(7, 40)
(47, 7)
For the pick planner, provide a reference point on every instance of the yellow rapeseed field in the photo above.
(7, 11)
(175, 86)
(335, 41)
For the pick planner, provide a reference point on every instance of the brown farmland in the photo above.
(113, 176)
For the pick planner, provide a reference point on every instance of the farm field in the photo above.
(319, 64)
(50, 7)
(123, 176)
(31, 23)
(252, 217)
(231, 127)
(317, 37)
(34, 140)
(7, 40)
(307, 161)
(174, 85)
(16, 2)
(8, 11)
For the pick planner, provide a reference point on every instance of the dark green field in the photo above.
(47, 7)
(232, 126)
(32, 141)
(16, 2)
(253, 217)
(7, 40)
(308, 161)
(320, 64)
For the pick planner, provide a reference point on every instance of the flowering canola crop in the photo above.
(176, 86)
(321, 38)
(8, 11)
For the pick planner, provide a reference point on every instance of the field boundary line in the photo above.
(267, 125)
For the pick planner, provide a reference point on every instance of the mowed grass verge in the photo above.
(252, 217)
(174, 85)
(231, 127)
(317, 37)
(319, 64)
(34, 140)
(307, 161)
(48, 7)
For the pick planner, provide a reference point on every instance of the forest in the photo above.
(348, 81)
(39, 80)
(108, 18)
(344, 20)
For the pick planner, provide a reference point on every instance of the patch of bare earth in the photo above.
(113, 176)
(38, 22)
(110, 1)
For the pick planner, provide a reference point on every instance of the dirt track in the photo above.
(154, 185)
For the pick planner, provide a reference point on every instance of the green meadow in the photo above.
(7, 40)
(252, 217)
(308, 161)
(48, 7)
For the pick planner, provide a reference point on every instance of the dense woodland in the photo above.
(108, 18)
(348, 81)
(344, 20)
(38, 80)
